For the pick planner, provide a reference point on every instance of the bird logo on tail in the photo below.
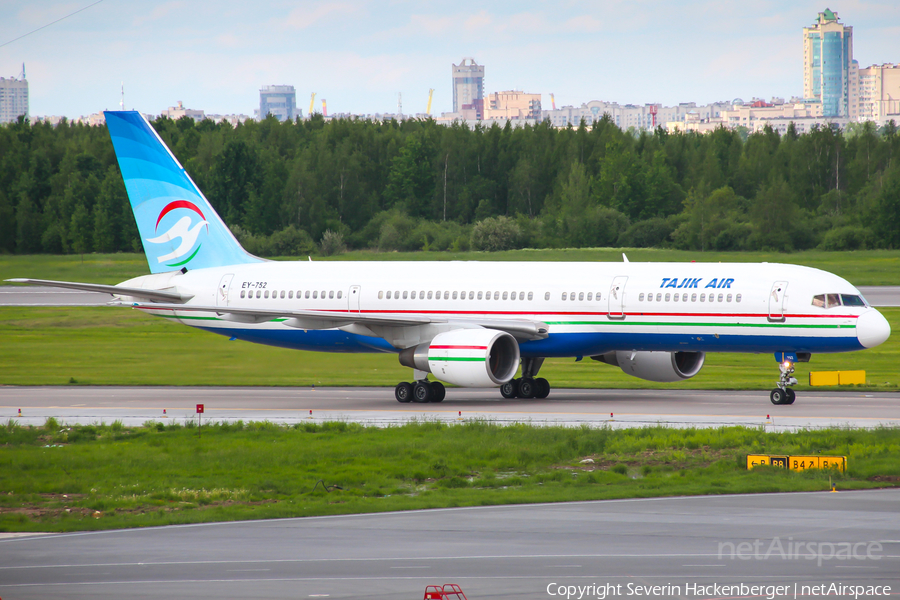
(181, 229)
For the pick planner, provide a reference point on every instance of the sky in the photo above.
(359, 54)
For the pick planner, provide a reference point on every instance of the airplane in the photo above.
(471, 324)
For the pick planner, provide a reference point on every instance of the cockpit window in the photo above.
(833, 300)
(850, 300)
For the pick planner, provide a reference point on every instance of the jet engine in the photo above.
(467, 357)
(664, 367)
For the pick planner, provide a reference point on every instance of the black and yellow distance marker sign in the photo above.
(798, 463)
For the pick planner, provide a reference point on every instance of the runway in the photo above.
(26, 295)
(376, 406)
(526, 551)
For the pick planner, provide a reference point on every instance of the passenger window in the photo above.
(267, 293)
(590, 296)
(496, 295)
(340, 294)
(702, 297)
(323, 294)
(530, 295)
(659, 297)
(693, 297)
(454, 295)
(684, 297)
(667, 297)
(597, 296)
(728, 298)
(572, 296)
(480, 295)
(421, 294)
(405, 294)
(676, 298)
(412, 295)
(819, 301)
(446, 295)
(720, 297)
(564, 296)
(243, 293)
(505, 295)
(381, 295)
(641, 297)
(430, 295)
(306, 295)
(738, 298)
(580, 296)
(546, 295)
(315, 295)
(298, 294)
(389, 295)
(472, 295)
(281, 295)
(290, 294)
(331, 295)
(850, 300)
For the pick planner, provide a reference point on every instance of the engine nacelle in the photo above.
(664, 367)
(467, 357)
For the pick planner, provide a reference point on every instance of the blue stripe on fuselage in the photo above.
(559, 344)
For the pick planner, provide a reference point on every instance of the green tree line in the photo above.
(322, 186)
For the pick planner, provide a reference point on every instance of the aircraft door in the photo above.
(616, 298)
(222, 292)
(776, 300)
(353, 299)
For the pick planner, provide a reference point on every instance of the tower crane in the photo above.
(553, 101)
(324, 108)
(312, 99)
(430, 94)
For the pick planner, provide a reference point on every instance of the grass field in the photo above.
(103, 477)
(120, 346)
(865, 267)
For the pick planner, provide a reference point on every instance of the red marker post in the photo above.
(199, 412)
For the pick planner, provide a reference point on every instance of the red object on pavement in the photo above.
(450, 590)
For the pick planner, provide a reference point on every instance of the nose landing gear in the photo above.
(783, 394)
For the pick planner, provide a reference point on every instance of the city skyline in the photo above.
(360, 55)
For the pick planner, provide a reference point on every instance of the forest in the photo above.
(322, 186)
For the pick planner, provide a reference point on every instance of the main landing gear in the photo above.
(527, 386)
(783, 394)
(420, 391)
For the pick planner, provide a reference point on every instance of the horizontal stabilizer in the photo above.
(116, 290)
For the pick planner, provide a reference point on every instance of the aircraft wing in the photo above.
(314, 319)
(152, 295)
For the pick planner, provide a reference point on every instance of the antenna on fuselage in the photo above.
(624, 258)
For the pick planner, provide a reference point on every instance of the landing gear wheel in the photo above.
(438, 390)
(526, 388)
(778, 396)
(422, 392)
(791, 396)
(541, 388)
(510, 389)
(403, 392)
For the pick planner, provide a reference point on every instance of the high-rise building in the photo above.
(468, 87)
(13, 98)
(829, 71)
(879, 93)
(513, 105)
(278, 100)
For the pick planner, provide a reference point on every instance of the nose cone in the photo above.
(872, 329)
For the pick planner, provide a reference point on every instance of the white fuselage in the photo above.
(590, 308)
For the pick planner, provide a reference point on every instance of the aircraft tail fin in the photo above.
(177, 224)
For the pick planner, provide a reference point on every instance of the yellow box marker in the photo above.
(824, 378)
(833, 462)
(852, 377)
(801, 463)
(755, 460)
